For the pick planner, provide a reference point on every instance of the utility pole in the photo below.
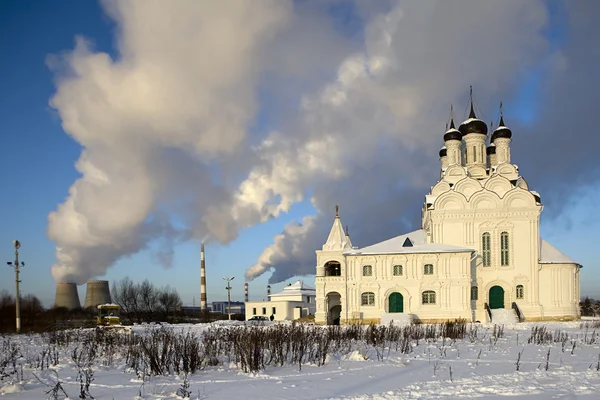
(17, 266)
(228, 295)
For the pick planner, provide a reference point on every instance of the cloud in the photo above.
(223, 115)
(381, 121)
(184, 81)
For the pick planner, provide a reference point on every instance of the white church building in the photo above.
(478, 254)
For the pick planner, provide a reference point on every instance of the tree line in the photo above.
(144, 302)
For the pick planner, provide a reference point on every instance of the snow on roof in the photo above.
(419, 245)
(551, 255)
(296, 288)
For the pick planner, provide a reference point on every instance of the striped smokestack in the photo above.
(246, 292)
(202, 279)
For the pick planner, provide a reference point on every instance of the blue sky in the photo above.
(38, 158)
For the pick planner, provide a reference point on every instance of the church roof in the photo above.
(551, 255)
(296, 288)
(337, 239)
(409, 243)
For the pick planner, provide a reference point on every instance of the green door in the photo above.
(396, 303)
(496, 297)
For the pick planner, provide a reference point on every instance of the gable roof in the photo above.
(551, 255)
(296, 288)
(397, 245)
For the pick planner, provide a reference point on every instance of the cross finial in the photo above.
(501, 123)
(347, 234)
(337, 211)
(472, 113)
(451, 117)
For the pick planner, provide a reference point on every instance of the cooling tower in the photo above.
(67, 296)
(97, 292)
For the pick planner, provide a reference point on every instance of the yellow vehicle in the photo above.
(109, 316)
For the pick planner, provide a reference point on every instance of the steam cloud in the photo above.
(170, 126)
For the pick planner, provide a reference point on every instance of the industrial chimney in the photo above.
(246, 292)
(97, 293)
(268, 292)
(203, 307)
(67, 296)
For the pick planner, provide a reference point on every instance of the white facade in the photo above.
(479, 249)
(294, 301)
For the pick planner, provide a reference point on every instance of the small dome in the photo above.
(452, 133)
(491, 149)
(443, 152)
(502, 131)
(473, 124)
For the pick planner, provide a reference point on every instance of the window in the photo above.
(308, 299)
(273, 311)
(264, 310)
(486, 249)
(474, 293)
(254, 311)
(504, 248)
(397, 270)
(367, 270)
(367, 299)
(474, 154)
(428, 297)
(333, 268)
(520, 292)
(428, 269)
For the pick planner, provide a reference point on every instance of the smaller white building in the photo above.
(295, 301)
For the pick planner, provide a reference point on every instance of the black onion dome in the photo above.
(502, 131)
(491, 149)
(473, 124)
(452, 133)
(443, 152)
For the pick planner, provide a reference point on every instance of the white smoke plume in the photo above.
(169, 126)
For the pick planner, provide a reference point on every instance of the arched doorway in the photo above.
(396, 303)
(334, 308)
(496, 297)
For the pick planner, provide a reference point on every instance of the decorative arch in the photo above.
(456, 171)
(467, 186)
(484, 200)
(333, 307)
(440, 188)
(518, 198)
(451, 201)
(332, 268)
(383, 302)
(506, 169)
(522, 183)
(496, 282)
(499, 185)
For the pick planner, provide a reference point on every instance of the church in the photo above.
(478, 254)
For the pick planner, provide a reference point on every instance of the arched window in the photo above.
(428, 269)
(520, 292)
(474, 154)
(504, 248)
(367, 270)
(428, 297)
(333, 268)
(367, 299)
(397, 270)
(474, 293)
(486, 249)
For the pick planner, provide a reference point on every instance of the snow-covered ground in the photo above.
(566, 364)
